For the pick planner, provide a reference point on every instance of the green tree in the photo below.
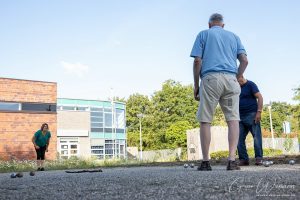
(136, 104)
(176, 134)
(173, 103)
(297, 94)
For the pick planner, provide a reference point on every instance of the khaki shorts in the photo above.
(221, 88)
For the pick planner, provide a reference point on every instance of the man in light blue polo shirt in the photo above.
(215, 52)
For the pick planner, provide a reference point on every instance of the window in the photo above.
(68, 147)
(96, 109)
(97, 125)
(119, 130)
(9, 106)
(39, 107)
(120, 118)
(82, 108)
(97, 150)
(108, 120)
(68, 107)
(96, 119)
(97, 114)
(107, 109)
(108, 130)
(97, 130)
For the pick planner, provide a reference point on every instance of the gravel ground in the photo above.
(168, 182)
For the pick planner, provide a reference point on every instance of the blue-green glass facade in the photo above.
(107, 122)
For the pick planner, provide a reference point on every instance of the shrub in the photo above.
(267, 152)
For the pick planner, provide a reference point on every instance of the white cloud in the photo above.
(75, 68)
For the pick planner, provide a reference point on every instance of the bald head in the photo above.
(216, 19)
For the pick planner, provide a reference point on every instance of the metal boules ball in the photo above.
(192, 165)
(291, 162)
(31, 173)
(185, 165)
(266, 163)
(13, 175)
(271, 162)
(19, 174)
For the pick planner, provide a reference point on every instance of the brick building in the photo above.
(24, 106)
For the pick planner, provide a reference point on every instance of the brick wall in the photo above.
(27, 91)
(17, 128)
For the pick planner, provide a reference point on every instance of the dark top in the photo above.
(248, 102)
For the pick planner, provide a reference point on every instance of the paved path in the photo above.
(174, 182)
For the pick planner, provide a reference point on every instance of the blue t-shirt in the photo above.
(248, 102)
(218, 49)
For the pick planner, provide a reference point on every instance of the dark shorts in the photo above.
(40, 153)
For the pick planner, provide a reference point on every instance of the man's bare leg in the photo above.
(233, 137)
(205, 138)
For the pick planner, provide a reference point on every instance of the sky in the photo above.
(94, 49)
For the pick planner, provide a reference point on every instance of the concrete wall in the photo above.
(18, 127)
(71, 120)
(279, 144)
(75, 124)
(157, 155)
(218, 142)
(132, 152)
(85, 147)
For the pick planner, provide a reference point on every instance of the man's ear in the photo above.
(209, 25)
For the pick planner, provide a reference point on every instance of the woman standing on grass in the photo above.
(41, 141)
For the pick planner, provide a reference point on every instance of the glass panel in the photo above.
(82, 108)
(97, 125)
(96, 109)
(120, 130)
(108, 130)
(97, 130)
(9, 106)
(120, 118)
(39, 107)
(64, 152)
(107, 109)
(96, 119)
(108, 120)
(73, 146)
(122, 149)
(96, 147)
(97, 151)
(108, 146)
(68, 107)
(97, 114)
(109, 151)
(108, 141)
(73, 151)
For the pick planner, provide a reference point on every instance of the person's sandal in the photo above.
(204, 166)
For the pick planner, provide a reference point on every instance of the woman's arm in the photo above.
(33, 141)
(47, 145)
